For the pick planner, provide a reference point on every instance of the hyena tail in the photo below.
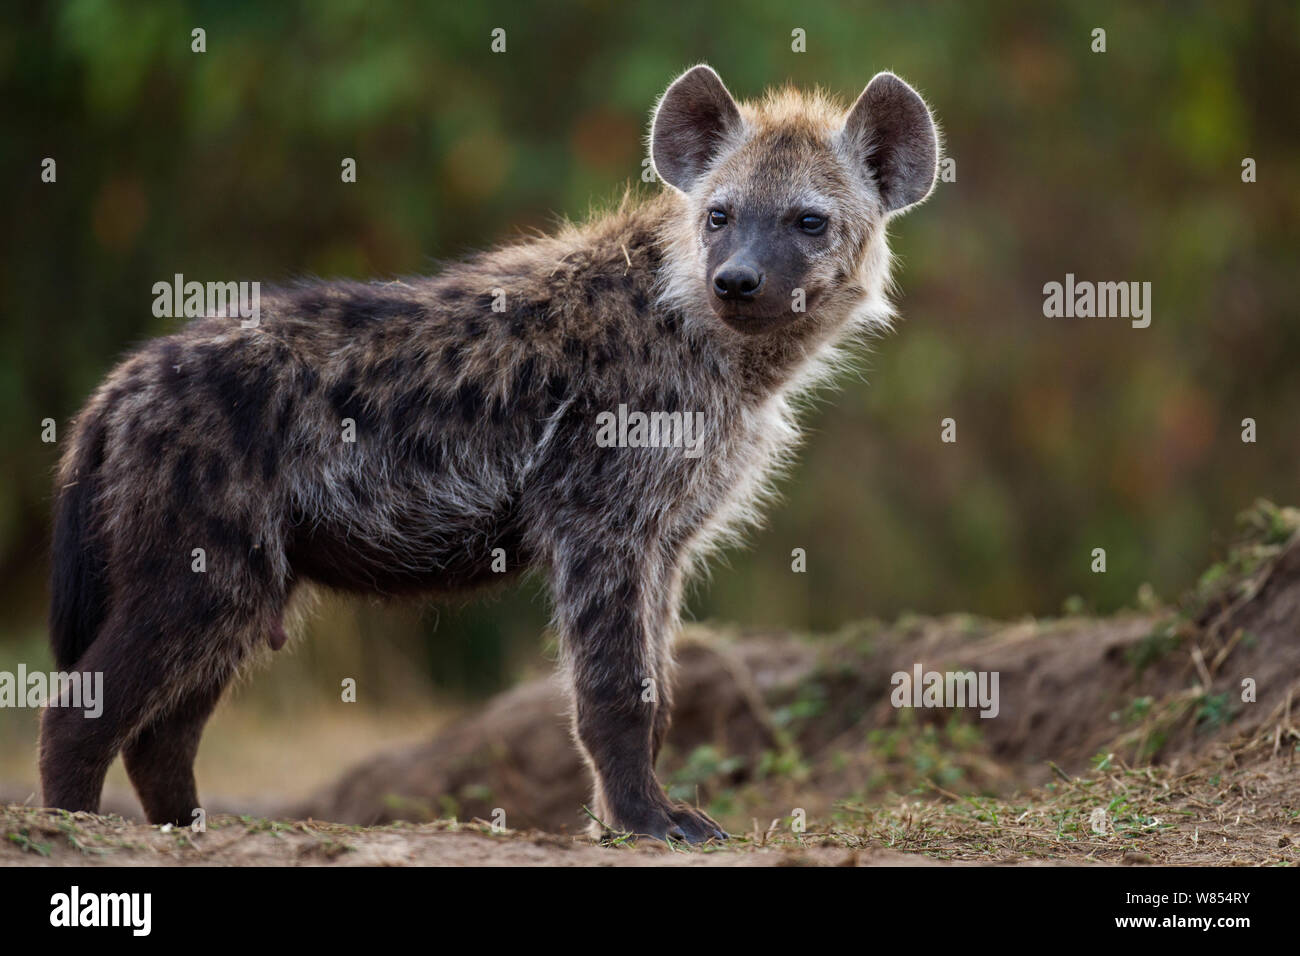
(78, 567)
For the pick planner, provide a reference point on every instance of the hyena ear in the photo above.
(890, 130)
(691, 126)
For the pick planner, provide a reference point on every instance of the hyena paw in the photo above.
(676, 822)
(694, 826)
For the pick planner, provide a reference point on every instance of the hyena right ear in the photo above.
(890, 131)
(691, 125)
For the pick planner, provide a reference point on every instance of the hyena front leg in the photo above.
(608, 605)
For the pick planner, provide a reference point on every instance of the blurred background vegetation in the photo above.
(1072, 434)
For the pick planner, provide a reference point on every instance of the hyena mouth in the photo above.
(753, 323)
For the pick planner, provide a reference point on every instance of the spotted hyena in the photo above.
(400, 437)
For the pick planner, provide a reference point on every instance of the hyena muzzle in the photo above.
(407, 437)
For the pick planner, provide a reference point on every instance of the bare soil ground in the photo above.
(1239, 815)
(1162, 735)
(83, 839)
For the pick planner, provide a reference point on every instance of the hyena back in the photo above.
(387, 438)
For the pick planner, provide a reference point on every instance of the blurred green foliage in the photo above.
(1072, 434)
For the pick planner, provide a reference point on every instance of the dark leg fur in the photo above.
(160, 760)
(76, 750)
(157, 696)
(610, 652)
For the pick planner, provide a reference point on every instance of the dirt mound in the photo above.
(767, 723)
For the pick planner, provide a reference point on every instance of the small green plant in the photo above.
(1163, 640)
(1214, 710)
(27, 845)
(705, 767)
(810, 702)
(1138, 710)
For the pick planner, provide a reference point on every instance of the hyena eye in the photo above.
(812, 224)
(717, 218)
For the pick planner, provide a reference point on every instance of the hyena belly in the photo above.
(363, 556)
(420, 530)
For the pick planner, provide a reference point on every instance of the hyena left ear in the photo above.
(691, 126)
(890, 131)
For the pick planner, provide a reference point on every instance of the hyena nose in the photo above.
(738, 283)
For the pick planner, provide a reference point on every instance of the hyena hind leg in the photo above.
(160, 758)
(142, 676)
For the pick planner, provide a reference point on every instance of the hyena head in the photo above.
(787, 199)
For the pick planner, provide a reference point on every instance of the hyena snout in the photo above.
(748, 297)
(738, 281)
